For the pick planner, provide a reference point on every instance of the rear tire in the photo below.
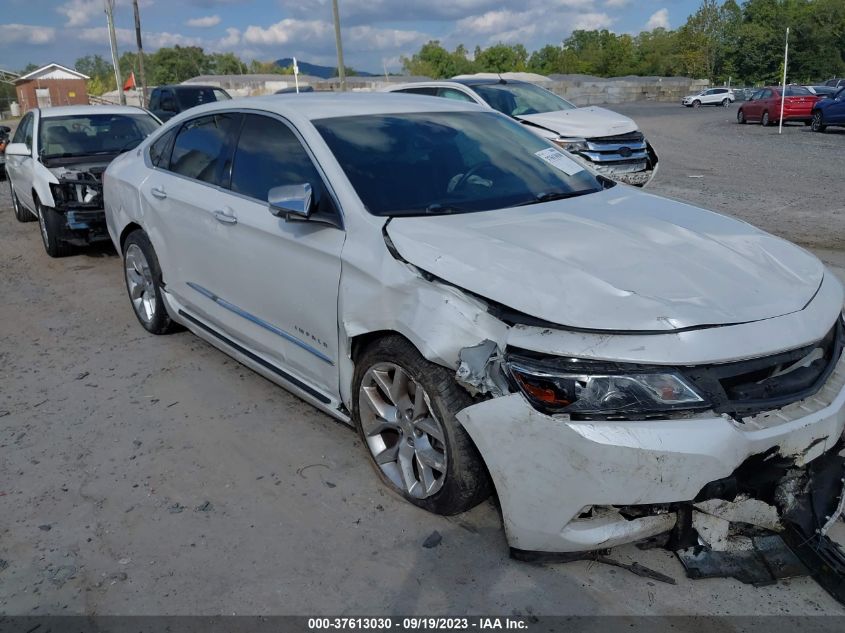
(726, 103)
(52, 223)
(415, 444)
(817, 124)
(21, 214)
(142, 274)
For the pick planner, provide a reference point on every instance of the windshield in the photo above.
(449, 162)
(190, 97)
(519, 99)
(67, 136)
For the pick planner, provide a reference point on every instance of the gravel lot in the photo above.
(154, 475)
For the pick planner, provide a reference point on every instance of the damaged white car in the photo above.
(491, 316)
(55, 164)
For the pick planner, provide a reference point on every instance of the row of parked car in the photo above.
(471, 291)
(817, 106)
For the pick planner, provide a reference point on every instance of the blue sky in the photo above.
(375, 32)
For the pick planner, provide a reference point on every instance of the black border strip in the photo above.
(279, 372)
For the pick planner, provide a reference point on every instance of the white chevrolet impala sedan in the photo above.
(490, 316)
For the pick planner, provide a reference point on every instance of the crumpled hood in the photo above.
(616, 260)
(592, 122)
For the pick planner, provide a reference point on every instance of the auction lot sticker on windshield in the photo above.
(558, 159)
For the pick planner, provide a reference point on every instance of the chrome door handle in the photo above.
(159, 193)
(225, 218)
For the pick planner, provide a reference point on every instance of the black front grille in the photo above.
(762, 384)
(630, 137)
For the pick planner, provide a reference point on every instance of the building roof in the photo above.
(52, 71)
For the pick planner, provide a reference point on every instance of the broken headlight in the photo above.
(573, 145)
(584, 388)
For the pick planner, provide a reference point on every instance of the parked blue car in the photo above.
(829, 111)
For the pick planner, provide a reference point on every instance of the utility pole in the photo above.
(341, 69)
(113, 42)
(140, 54)
(783, 88)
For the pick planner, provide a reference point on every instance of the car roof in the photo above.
(324, 105)
(83, 110)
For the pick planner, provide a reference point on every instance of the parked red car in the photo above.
(764, 106)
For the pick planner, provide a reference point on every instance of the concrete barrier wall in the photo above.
(589, 92)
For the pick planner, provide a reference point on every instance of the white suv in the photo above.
(713, 96)
(488, 313)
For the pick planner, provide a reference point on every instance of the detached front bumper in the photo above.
(561, 483)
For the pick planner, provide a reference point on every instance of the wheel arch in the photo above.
(127, 230)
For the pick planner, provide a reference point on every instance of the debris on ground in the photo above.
(637, 568)
(204, 507)
(434, 539)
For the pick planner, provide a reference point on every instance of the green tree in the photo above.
(433, 60)
(501, 58)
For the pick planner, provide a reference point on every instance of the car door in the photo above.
(835, 112)
(709, 97)
(279, 278)
(770, 102)
(20, 168)
(180, 199)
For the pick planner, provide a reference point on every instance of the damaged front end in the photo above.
(78, 195)
(608, 453)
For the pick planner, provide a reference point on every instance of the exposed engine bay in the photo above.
(79, 187)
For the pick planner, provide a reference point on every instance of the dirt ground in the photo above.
(155, 475)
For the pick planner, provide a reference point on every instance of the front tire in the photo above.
(404, 409)
(142, 274)
(817, 124)
(52, 223)
(764, 120)
(21, 214)
(696, 104)
(740, 117)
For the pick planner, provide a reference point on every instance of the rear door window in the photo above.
(203, 148)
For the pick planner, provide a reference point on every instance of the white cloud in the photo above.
(616, 4)
(539, 24)
(204, 22)
(658, 20)
(26, 34)
(232, 38)
(79, 12)
(314, 35)
(126, 37)
(591, 21)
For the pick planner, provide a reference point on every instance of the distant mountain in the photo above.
(316, 70)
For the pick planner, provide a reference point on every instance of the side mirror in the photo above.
(18, 149)
(168, 104)
(292, 202)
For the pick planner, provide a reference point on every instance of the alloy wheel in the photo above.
(764, 121)
(818, 124)
(405, 438)
(139, 281)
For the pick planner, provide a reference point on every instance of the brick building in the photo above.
(51, 85)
